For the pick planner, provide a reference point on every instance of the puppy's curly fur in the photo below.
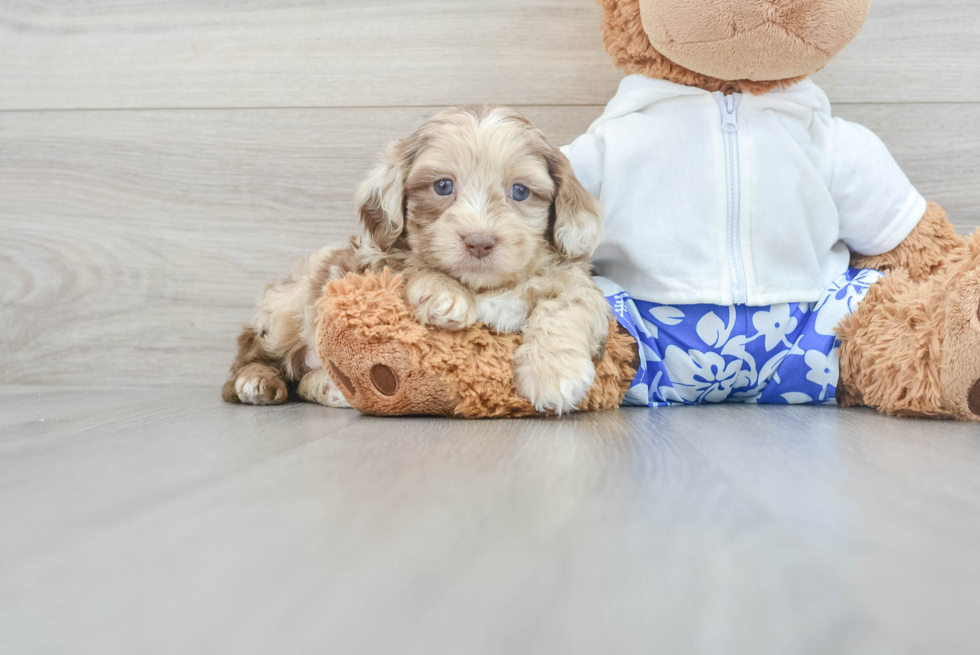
(487, 223)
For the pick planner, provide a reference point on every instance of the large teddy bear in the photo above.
(756, 248)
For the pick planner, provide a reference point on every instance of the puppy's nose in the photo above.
(479, 245)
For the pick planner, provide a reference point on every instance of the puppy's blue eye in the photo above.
(519, 192)
(445, 187)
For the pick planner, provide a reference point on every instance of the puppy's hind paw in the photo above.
(318, 387)
(257, 386)
(558, 386)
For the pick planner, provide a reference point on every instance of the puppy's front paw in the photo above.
(556, 384)
(504, 312)
(441, 305)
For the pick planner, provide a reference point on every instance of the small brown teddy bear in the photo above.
(730, 190)
(397, 366)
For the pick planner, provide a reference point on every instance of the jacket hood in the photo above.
(637, 92)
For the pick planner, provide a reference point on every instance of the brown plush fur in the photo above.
(366, 334)
(912, 348)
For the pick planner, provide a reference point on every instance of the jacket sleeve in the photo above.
(877, 205)
(586, 156)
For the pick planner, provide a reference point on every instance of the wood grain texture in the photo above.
(163, 521)
(135, 242)
(336, 53)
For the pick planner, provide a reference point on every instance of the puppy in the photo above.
(487, 223)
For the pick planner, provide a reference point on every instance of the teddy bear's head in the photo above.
(729, 45)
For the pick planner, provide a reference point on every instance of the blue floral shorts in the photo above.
(783, 354)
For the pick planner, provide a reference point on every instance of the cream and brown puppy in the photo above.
(487, 223)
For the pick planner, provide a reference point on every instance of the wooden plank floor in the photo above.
(163, 521)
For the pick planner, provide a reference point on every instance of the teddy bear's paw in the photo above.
(260, 385)
(554, 383)
(442, 307)
(318, 387)
(973, 400)
(960, 374)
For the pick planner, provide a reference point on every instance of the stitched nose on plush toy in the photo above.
(384, 380)
(479, 245)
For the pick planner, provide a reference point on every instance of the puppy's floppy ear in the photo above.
(381, 197)
(578, 215)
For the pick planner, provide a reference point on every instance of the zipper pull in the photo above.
(729, 121)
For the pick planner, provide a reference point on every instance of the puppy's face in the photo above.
(478, 194)
(478, 200)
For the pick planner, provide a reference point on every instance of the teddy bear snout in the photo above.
(751, 39)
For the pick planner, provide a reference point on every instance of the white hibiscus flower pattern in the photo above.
(782, 354)
(701, 377)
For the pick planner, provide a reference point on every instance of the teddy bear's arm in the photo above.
(924, 251)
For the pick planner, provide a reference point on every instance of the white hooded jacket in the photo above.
(737, 199)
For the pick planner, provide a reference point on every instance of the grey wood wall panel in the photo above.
(337, 53)
(132, 243)
(939, 152)
(910, 51)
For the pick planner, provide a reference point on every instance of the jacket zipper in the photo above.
(729, 127)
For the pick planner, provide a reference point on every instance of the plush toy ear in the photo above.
(577, 215)
(381, 198)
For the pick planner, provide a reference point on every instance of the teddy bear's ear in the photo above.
(381, 197)
(577, 214)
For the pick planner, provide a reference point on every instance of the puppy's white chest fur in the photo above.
(503, 311)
